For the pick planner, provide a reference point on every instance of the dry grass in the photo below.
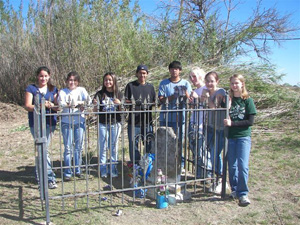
(274, 187)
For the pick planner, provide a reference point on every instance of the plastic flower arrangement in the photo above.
(163, 189)
(137, 173)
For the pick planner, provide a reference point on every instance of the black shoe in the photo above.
(67, 178)
(79, 175)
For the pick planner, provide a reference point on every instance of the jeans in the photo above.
(134, 136)
(216, 149)
(49, 133)
(108, 140)
(73, 140)
(238, 164)
(197, 146)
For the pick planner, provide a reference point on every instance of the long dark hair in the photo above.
(115, 85)
(46, 69)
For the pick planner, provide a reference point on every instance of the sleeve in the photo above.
(120, 95)
(62, 98)
(244, 123)
(250, 106)
(98, 94)
(161, 91)
(85, 95)
(221, 91)
(189, 87)
(220, 94)
(128, 92)
(153, 94)
(29, 89)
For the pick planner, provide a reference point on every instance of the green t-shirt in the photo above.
(240, 110)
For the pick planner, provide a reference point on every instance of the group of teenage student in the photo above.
(140, 96)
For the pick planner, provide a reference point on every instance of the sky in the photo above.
(286, 57)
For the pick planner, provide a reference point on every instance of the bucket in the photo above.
(161, 202)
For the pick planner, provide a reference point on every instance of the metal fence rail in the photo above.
(192, 169)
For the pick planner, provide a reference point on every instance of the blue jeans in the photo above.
(134, 136)
(49, 133)
(201, 157)
(108, 140)
(238, 164)
(216, 149)
(73, 139)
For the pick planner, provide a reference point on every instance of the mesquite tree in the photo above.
(208, 30)
(91, 37)
(97, 36)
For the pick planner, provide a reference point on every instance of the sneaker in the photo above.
(244, 200)
(52, 185)
(216, 186)
(232, 195)
(218, 189)
(67, 178)
(114, 175)
(104, 175)
(182, 172)
(79, 175)
(212, 188)
(114, 172)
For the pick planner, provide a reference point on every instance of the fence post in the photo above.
(40, 138)
(225, 151)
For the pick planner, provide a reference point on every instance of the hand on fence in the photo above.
(49, 104)
(227, 122)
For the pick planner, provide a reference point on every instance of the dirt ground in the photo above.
(274, 199)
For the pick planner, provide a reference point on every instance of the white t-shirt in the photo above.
(197, 118)
(72, 97)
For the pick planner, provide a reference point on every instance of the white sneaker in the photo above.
(244, 200)
(114, 175)
(213, 188)
(232, 195)
(218, 189)
(52, 185)
(182, 171)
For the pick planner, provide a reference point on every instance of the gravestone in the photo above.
(168, 160)
(168, 155)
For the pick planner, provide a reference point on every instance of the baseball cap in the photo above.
(142, 67)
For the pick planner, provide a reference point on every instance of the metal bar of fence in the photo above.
(225, 151)
(44, 158)
(86, 138)
(123, 147)
(40, 136)
(37, 127)
(119, 190)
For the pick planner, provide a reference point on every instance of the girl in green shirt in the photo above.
(242, 111)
